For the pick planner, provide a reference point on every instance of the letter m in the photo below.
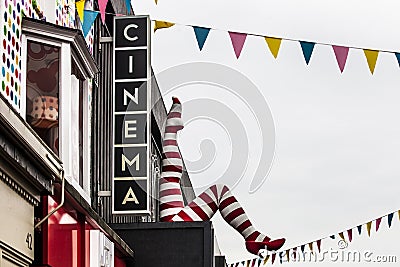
(130, 162)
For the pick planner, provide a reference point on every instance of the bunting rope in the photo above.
(238, 38)
(286, 253)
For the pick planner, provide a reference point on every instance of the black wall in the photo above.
(169, 244)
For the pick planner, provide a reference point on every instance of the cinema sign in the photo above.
(132, 91)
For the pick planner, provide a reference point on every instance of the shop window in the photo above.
(57, 69)
(42, 91)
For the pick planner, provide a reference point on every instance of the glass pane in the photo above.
(42, 92)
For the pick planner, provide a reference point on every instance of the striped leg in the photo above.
(171, 200)
(219, 197)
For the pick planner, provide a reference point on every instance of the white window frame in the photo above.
(70, 49)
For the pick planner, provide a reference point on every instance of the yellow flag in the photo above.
(398, 213)
(341, 235)
(80, 5)
(287, 255)
(310, 246)
(372, 56)
(274, 44)
(266, 259)
(156, 1)
(162, 24)
(369, 228)
(248, 263)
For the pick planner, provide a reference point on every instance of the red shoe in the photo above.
(255, 246)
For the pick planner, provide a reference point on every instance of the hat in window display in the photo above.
(44, 111)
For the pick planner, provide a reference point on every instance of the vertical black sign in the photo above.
(131, 115)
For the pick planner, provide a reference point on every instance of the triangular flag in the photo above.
(341, 53)
(319, 245)
(80, 6)
(102, 8)
(274, 44)
(281, 257)
(201, 35)
(369, 228)
(156, 1)
(307, 48)
(302, 248)
(273, 258)
(350, 234)
(243, 263)
(287, 255)
(253, 262)
(398, 57)
(332, 236)
(294, 253)
(266, 259)
(372, 56)
(128, 6)
(398, 213)
(310, 246)
(341, 235)
(390, 218)
(248, 263)
(90, 17)
(377, 224)
(359, 228)
(259, 262)
(238, 40)
(162, 24)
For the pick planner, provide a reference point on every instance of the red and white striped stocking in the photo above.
(202, 208)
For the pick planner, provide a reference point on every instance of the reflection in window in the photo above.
(42, 92)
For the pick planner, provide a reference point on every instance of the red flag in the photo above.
(319, 245)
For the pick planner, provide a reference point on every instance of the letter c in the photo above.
(126, 32)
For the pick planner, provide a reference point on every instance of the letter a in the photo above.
(130, 196)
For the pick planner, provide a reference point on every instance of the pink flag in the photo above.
(341, 53)
(237, 42)
(350, 234)
(378, 223)
(102, 8)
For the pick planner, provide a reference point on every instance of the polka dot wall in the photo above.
(12, 12)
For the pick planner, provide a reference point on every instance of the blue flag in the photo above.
(128, 6)
(390, 218)
(90, 17)
(307, 48)
(359, 229)
(201, 35)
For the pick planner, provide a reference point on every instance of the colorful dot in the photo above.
(3, 85)
(3, 71)
(7, 91)
(12, 67)
(16, 100)
(12, 95)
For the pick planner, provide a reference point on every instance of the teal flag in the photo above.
(201, 35)
(307, 48)
(398, 57)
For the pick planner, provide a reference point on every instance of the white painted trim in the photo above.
(24, 56)
(64, 108)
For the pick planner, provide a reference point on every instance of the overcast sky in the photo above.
(335, 146)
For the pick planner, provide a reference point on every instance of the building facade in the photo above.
(56, 144)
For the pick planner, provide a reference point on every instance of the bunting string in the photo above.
(238, 38)
(287, 253)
